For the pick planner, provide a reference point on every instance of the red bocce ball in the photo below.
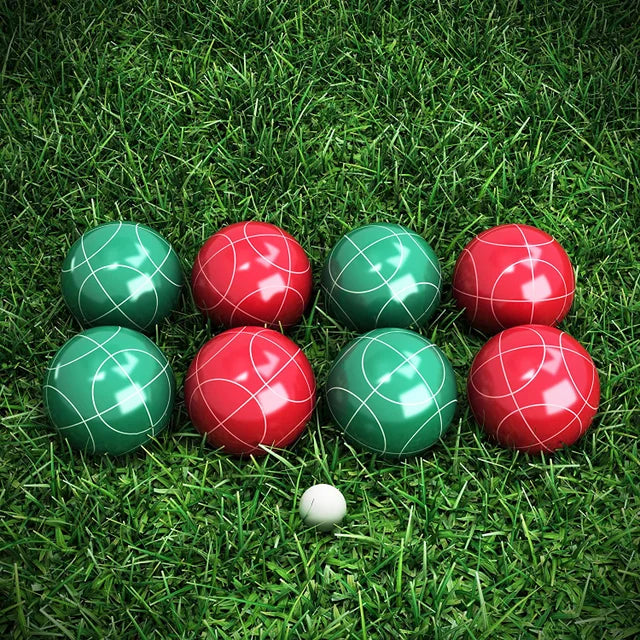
(513, 274)
(252, 273)
(534, 388)
(248, 387)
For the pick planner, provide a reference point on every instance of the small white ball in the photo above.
(322, 506)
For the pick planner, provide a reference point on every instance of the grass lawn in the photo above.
(320, 115)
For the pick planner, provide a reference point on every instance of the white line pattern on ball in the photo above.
(375, 391)
(482, 238)
(158, 268)
(246, 239)
(513, 396)
(359, 252)
(97, 251)
(252, 395)
(476, 297)
(99, 414)
(518, 409)
(117, 306)
(93, 274)
(385, 282)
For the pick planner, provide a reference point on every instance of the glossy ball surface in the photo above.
(381, 275)
(322, 506)
(109, 390)
(121, 273)
(392, 391)
(534, 388)
(252, 273)
(513, 274)
(249, 387)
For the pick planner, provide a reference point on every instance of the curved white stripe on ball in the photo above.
(118, 306)
(203, 273)
(475, 275)
(519, 409)
(513, 397)
(110, 356)
(345, 352)
(169, 251)
(517, 246)
(507, 269)
(358, 253)
(133, 294)
(335, 301)
(260, 291)
(221, 422)
(530, 260)
(199, 366)
(386, 280)
(411, 286)
(533, 346)
(528, 381)
(425, 383)
(80, 357)
(410, 452)
(198, 390)
(98, 414)
(375, 390)
(288, 285)
(500, 355)
(73, 406)
(266, 383)
(265, 258)
(543, 443)
(223, 296)
(345, 428)
(146, 278)
(241, 241)
(293, 359)
(85, 420)
(573, 382)
(252, 395)
(406, 360)
(106, 293)
(361, 253)
(231, 246)
(541, 345)
(564, 296)
(392, 348)
(98, 250)
(533, 275)
(412, 236)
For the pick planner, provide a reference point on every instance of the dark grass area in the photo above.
(320, 116)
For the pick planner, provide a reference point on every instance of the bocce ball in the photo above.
(533, 388)
(322, 506)
(121, 273)
(109, 390)
(381, 275)
(513, 274)
(392, 391)
(250, 388)
(252, 273)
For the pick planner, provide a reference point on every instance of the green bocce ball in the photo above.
(121, 273)
(381, 275)
(109, 390)
(392, 391)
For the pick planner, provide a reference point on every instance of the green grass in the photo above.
(320, 115)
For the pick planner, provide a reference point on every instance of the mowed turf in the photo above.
(320, 116)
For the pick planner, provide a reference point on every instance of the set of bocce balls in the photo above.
(110, 389)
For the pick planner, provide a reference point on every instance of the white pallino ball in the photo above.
(322, 506)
